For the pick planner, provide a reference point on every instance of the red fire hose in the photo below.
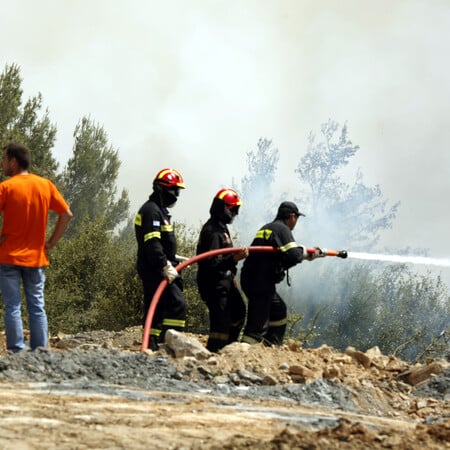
(209, 254)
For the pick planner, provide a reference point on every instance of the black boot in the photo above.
(153, 344)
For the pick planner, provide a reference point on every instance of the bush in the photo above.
(92, 282)
(365, 305)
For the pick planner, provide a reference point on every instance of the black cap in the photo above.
(286, 209)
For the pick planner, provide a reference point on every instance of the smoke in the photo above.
(194, 85)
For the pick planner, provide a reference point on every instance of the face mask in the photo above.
(169, 196)
(227, 217)
(230, 214)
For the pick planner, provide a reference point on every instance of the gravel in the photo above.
(136, 374)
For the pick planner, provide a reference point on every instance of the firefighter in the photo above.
(156, 256)
(216, 276)
(267, 311)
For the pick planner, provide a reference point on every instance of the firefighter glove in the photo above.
(311, 254)
(181, 258)
(170, 272)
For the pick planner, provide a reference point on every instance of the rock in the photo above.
(221, 379)
(325, 351)
(183, 345)
(250, 376)
(269, 380)
(416, 375)
(359, 356)
(234, 378)
(395, 365)
(190, 362)
(294, 346)
(301, 370)
(301, 374)
(332, 371)
(235, 347)
(205, 372)
(213, 361)
(373, 352)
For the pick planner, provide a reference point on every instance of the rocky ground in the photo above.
(98, 390)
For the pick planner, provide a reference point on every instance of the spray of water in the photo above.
(442, 262)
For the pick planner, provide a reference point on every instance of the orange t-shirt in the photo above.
(25, 200)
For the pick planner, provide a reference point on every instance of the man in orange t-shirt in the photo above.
(25, 201)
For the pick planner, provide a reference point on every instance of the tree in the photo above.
(255, 189)
(92, 282)
(353, 302)
(341, 214)
(90, 177)
(26, 124)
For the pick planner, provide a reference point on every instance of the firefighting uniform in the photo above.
(267, 311)
(217, 286)
(157, 245)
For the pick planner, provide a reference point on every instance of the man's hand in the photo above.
(170, 272)
(312, 253)
(60, 228)
(241, 254)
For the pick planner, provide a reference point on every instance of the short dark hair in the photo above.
(20, 152)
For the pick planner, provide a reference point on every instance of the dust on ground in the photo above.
(98, 390)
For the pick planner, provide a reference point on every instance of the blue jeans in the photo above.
(33, 279)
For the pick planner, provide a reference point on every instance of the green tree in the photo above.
(90, 178)
(26, 123)
(92, 282)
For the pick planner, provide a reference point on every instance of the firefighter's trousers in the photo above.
(266, 318)
(170, 313)
(226, 313)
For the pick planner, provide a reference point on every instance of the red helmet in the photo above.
(230, 197)
(169, 178)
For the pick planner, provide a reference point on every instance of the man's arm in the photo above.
(60, 229)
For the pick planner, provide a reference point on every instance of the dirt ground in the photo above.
(97, 390)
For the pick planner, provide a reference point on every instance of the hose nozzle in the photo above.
(324, 252)
(339, 253)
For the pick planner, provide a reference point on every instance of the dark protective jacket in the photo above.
(262, 270)
(215, 235)
(155, 237)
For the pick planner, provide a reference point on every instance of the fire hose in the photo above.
(210, 254)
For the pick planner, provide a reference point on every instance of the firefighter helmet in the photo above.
(230, 197)
(169, 178)
(225, 205)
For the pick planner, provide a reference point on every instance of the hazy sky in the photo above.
(195, 84)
